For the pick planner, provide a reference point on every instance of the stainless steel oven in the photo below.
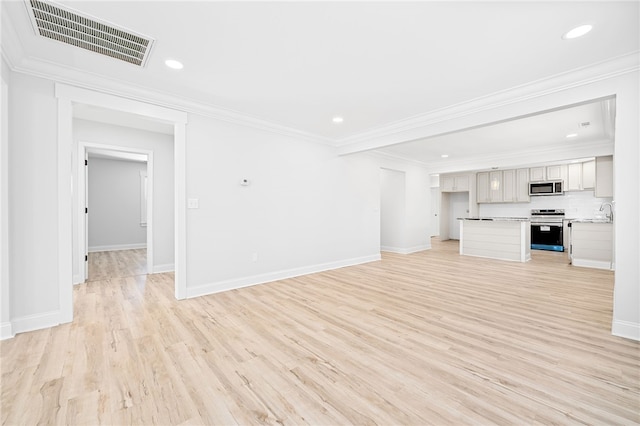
(546, 229)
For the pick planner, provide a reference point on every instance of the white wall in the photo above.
(114, 204)
(163, 190)
(392, 210)
(306, 209)
(33, 230)
(5, 305)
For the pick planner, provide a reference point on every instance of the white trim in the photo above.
(92, 82)
(161, 269)
(36, 322)
(6, 331)
(629, 330)
(447, 119)
(68, 94)
(233, 284)
(180, 206)
(587, 263)
(406, 250)
(65, 211)
(117, 247)
(5, 287)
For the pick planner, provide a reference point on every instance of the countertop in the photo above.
(590, 221)
(498, 219)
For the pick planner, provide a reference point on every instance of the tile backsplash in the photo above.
(576, 205)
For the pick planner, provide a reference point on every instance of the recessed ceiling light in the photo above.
(577, 32)
(337, 119)
(172, 63)
(572, 135)
(445, 156)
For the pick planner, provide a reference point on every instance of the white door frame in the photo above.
(82, 233)
(67, 96)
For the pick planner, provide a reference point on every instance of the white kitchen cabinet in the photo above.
(556, 172)
(482, 187)
(522, 186)
(592, 245)
(537, 174)
(495, 186)
(574, 177)
(454, 183)
(589, 174)
(509, 186)
(604, 177)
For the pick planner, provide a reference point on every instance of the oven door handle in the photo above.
(559, 225)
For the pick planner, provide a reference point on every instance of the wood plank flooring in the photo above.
(104, 265)
(427, 338)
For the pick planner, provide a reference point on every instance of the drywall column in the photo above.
(5, 307)
(392, 210)
(626, 306)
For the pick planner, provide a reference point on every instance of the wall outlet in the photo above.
(192, 203)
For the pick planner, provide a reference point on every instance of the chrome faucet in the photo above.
(610, 215)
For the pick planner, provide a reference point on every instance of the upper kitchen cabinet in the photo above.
(604, 177)
(506, 186)
(557, 172)
(538, 174)
(589, 174)
(515, 186)
(580, 176)
(482, 190)
(454, 183)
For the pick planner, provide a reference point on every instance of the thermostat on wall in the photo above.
(245, 182)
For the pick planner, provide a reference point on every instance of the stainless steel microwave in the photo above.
(553, 187)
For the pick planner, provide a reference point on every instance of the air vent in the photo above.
(69, 26)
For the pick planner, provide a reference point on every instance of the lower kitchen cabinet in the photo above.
(591, 244)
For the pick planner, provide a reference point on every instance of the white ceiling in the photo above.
(298, 64)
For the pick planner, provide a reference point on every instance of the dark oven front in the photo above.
(547, 236)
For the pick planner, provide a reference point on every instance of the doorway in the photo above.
(115, 226)
(458, 207)
(68, 97)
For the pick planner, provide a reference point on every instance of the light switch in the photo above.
(192, 203)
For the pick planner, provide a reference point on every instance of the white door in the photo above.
(458, 207)
(86, 215)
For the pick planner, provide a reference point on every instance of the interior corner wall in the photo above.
(392, 210)
(163, 185)
(33, 203)
(114, 204)
(305, 208)
(417, 221)
(5, 306)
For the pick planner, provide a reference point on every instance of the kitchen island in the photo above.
(505, 238)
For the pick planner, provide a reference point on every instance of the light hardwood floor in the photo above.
(105, 265)
(427, 338)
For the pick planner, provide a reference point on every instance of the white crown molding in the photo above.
(406, 129)
(526, 158)
(509, 160)
(85, 80)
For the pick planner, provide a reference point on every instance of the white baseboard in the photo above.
(406, 250)
(117, 247)
(35, 322)
(6, 331)
(629, 330)
(217, 287)
(77, 280)
(585, 263)
(159, 269)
